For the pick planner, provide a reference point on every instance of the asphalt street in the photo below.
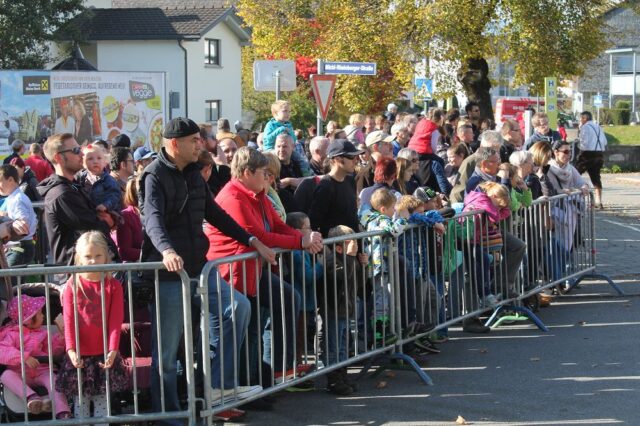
(585, 370)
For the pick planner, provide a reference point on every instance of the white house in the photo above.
(198, 48)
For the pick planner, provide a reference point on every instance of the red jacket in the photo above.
(421, 140)
(251, 211)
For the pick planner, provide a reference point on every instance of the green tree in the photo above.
(27, 25)
(541, 38)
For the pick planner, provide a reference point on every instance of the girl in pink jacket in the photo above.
(35, 347)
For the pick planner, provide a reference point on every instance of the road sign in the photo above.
(424, 88)
(264, 76)
(351, 68)
(597, 100)
(323, 87)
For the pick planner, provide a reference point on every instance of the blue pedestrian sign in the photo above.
(424, 88)
(597, 100)
(351, 68)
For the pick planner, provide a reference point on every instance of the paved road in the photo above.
(585, 370)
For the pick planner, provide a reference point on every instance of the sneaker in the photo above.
(231, 415)
(474, 325)
(438, 338)
(304, 369)
(280, 377)
(382, 333)
(347, 380)
(46, 405)
(241, 392)
(426, 346)
(544, 299)
(306, 386)
(336, 384)
(489, 301)
(34, 406)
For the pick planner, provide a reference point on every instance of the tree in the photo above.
(541, 38)
(339, 30)
(27, 25)
(463, 37)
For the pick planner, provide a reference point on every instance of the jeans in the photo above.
(336, 339)
(382, 296)
(22, 254)
(172, 325)
(286, 309)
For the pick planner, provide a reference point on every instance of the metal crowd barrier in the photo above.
(137, 365)
(314, 315)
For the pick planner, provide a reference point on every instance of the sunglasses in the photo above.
(75, 150)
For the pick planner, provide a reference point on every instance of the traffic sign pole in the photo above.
(318, 113)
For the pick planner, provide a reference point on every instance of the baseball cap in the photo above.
(343, 148)
(143, 153)
(377, 136)
(424, 194)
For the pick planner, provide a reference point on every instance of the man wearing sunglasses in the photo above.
(68, 210)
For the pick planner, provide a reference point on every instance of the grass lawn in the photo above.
(623, 135)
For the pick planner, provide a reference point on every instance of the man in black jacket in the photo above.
(174, 200)
(68, 210)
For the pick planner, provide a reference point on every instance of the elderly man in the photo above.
(380, 144)
(401, 137)
(175, 201)
(490, 139)
(68, 210)
(487, 169)
(291, 174)
(318, 148)
(512, 139)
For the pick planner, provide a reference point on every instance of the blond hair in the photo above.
(496, 191)
(356, 119)
(537, 117)
(85, 240)
(409, 203)
(93, 147)
(273, 163)
(382, 198)
(541, 152)
(278, 106)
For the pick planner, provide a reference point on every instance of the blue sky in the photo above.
(11, 99)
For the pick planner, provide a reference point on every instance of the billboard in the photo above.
(90, 105)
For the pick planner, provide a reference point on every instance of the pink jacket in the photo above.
(478, 200)
(35, 344)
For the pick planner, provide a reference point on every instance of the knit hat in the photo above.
(30, 307)
(424, 194)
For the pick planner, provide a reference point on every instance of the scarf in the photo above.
(486, 177)
(563, 174)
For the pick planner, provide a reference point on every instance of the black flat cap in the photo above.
(342, 148)
(122, 140)
(180, 127)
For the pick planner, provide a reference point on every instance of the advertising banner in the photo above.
(90, 105)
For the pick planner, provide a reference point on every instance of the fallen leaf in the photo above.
(390, 374)
(534, 359)
(582, 322)
(461, 421)
(381, 385)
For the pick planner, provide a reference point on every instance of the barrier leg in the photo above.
(391, 365)
(596, 276)
(521, 313)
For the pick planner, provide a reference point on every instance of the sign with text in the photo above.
(349, 68)
(323, 88)
(551, 100)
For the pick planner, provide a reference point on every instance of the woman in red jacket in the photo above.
(244, 200)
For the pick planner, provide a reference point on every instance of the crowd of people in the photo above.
(207, 196)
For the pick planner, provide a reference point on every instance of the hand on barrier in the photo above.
(312, 242)
(439, 228)
(20, 227)
(265, 252)
(172, 261)
(75, 359)
(32, 362)
(111, 357)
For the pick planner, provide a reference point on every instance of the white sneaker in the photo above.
(241, 392)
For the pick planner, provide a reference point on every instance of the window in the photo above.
(623, 64)
(212, 110)
(211, 52)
